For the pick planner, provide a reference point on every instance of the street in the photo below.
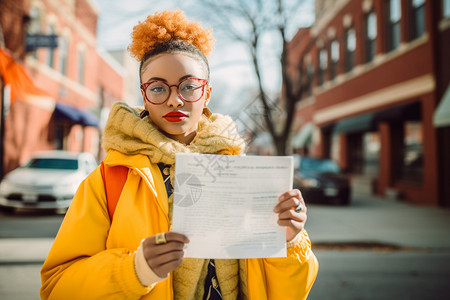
(373, 249)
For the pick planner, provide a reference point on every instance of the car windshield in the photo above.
(314, 165)
(52, 163)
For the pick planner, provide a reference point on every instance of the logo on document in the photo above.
(187, 190)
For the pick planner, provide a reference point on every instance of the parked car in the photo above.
(48, 180)
(322, 181)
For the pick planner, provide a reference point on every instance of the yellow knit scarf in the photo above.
(127, 132)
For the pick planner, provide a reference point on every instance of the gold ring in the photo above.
(160, 238)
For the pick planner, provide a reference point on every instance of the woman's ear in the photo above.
(208, 94)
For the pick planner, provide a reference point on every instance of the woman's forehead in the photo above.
(172, 66)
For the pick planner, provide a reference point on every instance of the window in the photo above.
(81, 62)
(334, 50)
(51, 51)
(34, 26)
(310, 74)
(407, 143)
(393, 34)
(417, 19)
(350, 38)
(371, 153)
(412, 163)
(446, 8)
(58, 141)
(371, 35)
(323, 65)
(63, 55)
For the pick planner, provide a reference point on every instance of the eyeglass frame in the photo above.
(145, 85)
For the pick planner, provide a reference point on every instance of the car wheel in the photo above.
(8, 210)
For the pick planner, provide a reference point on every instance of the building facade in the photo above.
(80, 80)
(374, 73)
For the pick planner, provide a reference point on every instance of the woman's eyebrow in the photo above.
(165, 80)
(157, 78)
(187, 76)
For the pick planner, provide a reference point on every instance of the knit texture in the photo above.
(128, 133)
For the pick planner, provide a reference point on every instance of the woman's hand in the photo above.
(287, 216)
(166, 257)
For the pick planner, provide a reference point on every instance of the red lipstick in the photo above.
(175, 116)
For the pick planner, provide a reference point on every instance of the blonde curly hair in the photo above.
(168, 26)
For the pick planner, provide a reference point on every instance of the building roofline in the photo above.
(111, 61)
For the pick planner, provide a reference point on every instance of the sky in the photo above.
(232, 75)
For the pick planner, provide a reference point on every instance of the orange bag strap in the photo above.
(114, 179)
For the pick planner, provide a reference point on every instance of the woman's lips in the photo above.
(175, 116)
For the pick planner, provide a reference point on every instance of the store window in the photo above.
(323, 65)
(411, 168)
(417, 18)
(334, 51)
(394, 15)
(371, 153)
(59, 134)
(371, 35)
(350, 38)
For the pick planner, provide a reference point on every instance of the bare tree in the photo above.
(248, 21)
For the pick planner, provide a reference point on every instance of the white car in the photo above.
(48, 180)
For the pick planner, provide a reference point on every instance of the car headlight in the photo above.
(5, 187)
(310, 183)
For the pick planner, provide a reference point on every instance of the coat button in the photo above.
(166, 171)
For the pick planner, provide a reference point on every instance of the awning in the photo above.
(410, 111)
(441, 117)
(303, 136)
(356, 124)
(65, 112)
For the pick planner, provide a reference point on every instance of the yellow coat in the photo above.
(94, 259)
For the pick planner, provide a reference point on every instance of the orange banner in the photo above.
(22, 86)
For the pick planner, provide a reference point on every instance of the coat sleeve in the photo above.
(284, 278)
(79, 266)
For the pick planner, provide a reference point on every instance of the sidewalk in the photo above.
(24, 250)
(371, 219)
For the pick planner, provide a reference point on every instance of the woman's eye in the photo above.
(157, 89)
(190, 87)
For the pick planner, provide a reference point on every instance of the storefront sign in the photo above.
(34, 41)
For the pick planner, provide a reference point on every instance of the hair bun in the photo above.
(165, 26)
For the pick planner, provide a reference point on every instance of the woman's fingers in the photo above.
(291, 210)
(172, 237)
(292, 215)
(290, 200)
(163, 258)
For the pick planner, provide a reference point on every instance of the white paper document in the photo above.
(224, 204)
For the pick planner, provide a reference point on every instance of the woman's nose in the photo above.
(174, 99)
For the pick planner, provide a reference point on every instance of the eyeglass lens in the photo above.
(190, 90)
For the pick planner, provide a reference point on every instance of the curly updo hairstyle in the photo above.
(169, 32)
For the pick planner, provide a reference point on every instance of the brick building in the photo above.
(80, 79)
(375, 75)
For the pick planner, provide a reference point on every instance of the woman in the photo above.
(132, 254)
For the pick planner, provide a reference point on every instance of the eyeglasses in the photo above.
(189, 90)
